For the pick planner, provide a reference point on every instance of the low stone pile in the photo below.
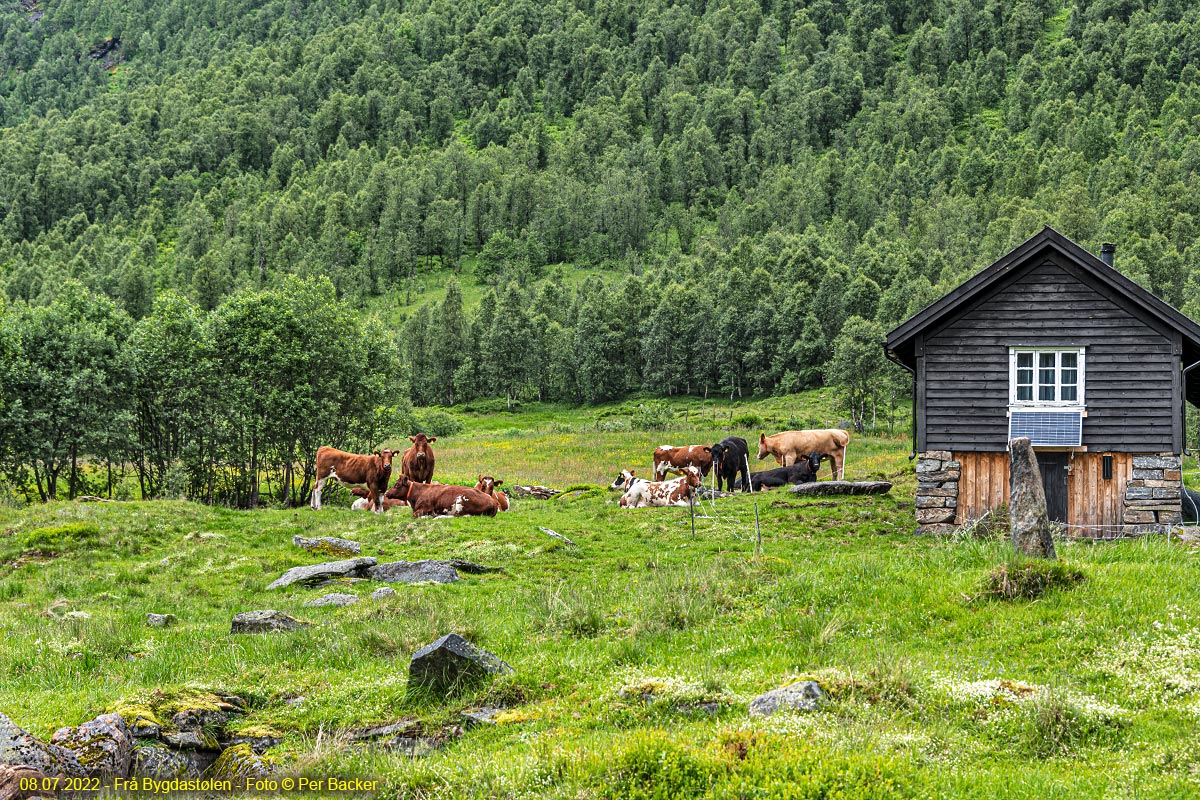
(1153, 495)
(937, 491)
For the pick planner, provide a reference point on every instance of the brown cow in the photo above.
(438, 499)
(487, 484)
(368, 472)
(417, 461)
(663, 493)
(362, 501)
(677, 459)
(789, 447)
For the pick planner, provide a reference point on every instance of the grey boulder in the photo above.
(801, 696)
(1031, 533)
(266, 621)
(104, 746)
(334, 599)
(20, 749)
(328, 545)
(349, 568)
(382, 592)
(160, 620)
(414, 572)
(161, 762)
(452, 661)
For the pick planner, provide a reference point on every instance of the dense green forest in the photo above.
(758, 190)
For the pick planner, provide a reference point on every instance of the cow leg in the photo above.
(315, 502)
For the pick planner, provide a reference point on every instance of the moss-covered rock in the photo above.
(103, 746)
(239, 761)
(20, 749)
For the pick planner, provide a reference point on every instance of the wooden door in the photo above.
(1054, 480)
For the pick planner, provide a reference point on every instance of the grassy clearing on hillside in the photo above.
(637, 652)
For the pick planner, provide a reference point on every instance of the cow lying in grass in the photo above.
(487, 484)
(675, 492)
(803, 471)
(626, 480)
(362, 503)
(443, 500)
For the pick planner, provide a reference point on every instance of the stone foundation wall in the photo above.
(1153, 495)
(938, 475)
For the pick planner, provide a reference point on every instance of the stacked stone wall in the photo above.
(938, 475)
(1153, 495)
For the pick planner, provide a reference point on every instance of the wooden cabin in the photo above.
(1052, 343)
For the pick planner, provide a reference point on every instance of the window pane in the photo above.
(1070, 376)
(1046, 392)
(1024, 392)
(1046, 375)
(1069, 393)
(1070, 360)
(1024, 360)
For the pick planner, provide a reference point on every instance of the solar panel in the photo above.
(1047, 428)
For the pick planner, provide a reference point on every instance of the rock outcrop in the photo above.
(414, 572)
(348, 568)
(265, 621)
(800, 696)
(452, 661)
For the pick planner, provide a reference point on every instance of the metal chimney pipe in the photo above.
(1107, 253)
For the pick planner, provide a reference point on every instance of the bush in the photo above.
(435, 422)
(750, 420)
(60, 537)
(652, 416)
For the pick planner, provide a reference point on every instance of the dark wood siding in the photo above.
(1131, 388)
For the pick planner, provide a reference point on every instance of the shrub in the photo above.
(60, 537)
(750, 420)
(1029, 580)
(435, 422)
(652, 416)
(614, 425)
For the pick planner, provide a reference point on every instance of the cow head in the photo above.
(693, 476)
(385, 456)
(718, 453)
(623, 480)
(421, 444)
(401, 488)
(487, 484)
(814, 461)
(763, 452)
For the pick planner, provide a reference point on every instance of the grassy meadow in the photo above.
(637, 652)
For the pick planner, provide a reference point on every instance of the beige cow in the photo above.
(789, 447)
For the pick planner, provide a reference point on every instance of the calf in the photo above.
(789, 447)
(731, 456)
(677, 459)
(804, 471)
(626, 480)
(437, 499)
(367, 472)
(361, 501)
(417, 461)
(675, 492)
(487, 484)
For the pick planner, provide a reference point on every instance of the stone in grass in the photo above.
(328, 545)
(349, 568)
(481, 716)
(161, 620)
(150, 761)
(414, 572)
(238, 762)
(191, 740)
(20, 749)
(13, 779)
(382, 592)
(334, 599)
(265, 621)
(195, 719)
(800, 696)
(1031, 534)
(452, 661)
(104, 746)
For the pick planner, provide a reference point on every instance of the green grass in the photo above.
(637, 652)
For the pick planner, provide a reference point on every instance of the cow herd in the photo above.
(799, 454)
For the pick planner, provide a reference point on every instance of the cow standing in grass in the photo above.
(676, 459)
(731, 457)
(789, 447)
(367, 472)
(417, 461)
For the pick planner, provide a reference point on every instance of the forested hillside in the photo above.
(755, 179)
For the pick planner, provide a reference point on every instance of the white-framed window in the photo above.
(1043, 376)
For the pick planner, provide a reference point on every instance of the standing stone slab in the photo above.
(452, 660)
(802, 696)
(1027, 502)
(349, 568)
(329, 545)
(20, 749)
(266, 621)
(414, 572)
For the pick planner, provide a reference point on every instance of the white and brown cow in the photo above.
(677, 459)
(367, 472)
(487, 484)
(626, 480)
(789, 447)
(675, 492)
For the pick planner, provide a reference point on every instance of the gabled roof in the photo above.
(900, 339)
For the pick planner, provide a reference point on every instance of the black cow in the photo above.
(731, 457)
(803, 471)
